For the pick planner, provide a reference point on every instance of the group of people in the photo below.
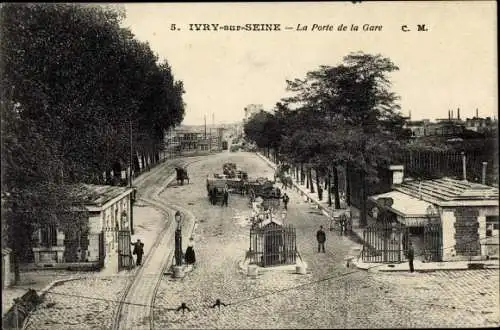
(138, 251)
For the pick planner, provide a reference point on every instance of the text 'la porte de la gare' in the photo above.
(339, 27)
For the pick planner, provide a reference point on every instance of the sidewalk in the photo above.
(357, 232)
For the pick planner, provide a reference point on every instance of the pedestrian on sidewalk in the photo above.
(190, 256)
(321, 237)
(285, 200)
(226, 197)
(410, 254)
(138, 251)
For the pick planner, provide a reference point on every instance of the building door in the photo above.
(124, 251)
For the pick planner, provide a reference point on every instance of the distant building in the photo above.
(194, 139)
(480, 125)
(418, 128)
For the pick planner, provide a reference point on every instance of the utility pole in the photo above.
(131, 161)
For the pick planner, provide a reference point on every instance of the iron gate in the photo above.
(272, 245)
(125, 260)
(384, 242)
(433, 242)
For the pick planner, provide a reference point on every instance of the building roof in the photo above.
(405, 205)
(448, 192)
(98, 195)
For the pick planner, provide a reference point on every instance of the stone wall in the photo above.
(467, 231)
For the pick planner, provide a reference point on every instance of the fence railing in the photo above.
(434, 164)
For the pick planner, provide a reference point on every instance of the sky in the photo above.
(451, 65)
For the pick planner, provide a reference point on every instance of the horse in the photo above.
(286, 181)
(181, 175)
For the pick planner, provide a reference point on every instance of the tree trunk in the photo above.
(307, 178)
(318, 187)
(143, 162)
(311, 184)
(348, 186)
(362, 218)
(302, 174)
(137, 167)
(336, 185)
(328, 181)
(108, 176)
(17, 271)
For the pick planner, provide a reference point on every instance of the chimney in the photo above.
(483, 178)
(397, 173)
(464, 168)
(458, 113)
(451, 114)
(477, 113)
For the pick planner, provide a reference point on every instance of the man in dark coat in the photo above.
(321, 237)
(285, 200)
(226, 197)
(410, 254)
(138, 251)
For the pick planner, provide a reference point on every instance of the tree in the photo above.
(353, 99)
(73, 83)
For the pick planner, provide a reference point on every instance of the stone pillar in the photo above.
(448, 224)
(60, 237)
(482, 233)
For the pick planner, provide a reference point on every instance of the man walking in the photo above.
(321, 237)
(285, 200)
(410, 255)
(226, 197)
(138, 251)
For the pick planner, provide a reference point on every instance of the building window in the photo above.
(49, 235)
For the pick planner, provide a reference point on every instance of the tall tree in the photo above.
(354, 101)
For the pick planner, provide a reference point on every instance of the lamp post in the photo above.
(178, 239)
(283, 216)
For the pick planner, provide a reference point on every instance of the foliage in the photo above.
(75, 86)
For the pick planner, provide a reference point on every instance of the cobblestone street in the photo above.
(331, 295)
(325, 297)
(82, 304)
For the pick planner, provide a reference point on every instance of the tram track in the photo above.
(150, 197)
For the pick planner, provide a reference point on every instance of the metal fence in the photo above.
(433, 164)
(272, 245)
(384, 242)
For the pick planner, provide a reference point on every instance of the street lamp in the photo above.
(178, 239)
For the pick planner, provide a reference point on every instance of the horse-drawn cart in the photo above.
(236, 184)
(182, 175)
(215, 190)
(265, 189)
(229, 169)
